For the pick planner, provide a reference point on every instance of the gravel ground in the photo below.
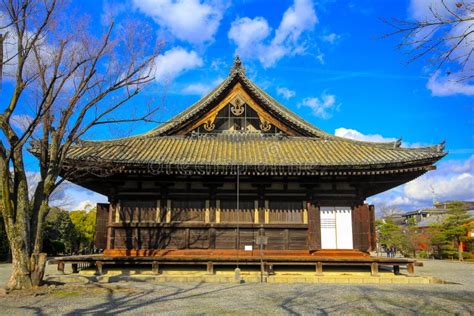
(183, 299)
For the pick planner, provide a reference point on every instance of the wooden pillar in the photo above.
(207, 212)
(319, 268)
(210, 268)
(212, 238)
(267, 212)
(374, 269)
(155, 267)
(373, 235)
(98, 267)
(305, 213)
(261, 204)
(396, 269)
(186, 238)
(61, 266)
(256, 215)
(110, 232)
(314, 227)
(218, 211)
(158, 211)
(168, 211)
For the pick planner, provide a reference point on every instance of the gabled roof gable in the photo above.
(237, 85)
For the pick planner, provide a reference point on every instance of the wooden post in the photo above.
(411, 268)
(158, 211)
(319, 268)
(396, 269)
(74, 268)
(314, 227)
(112, 208)
(256, 215)
(267, 212)
(305, 213)
(207, 212)
(98, 267)
(168, 211)
(155, 267)
(61, 266)
(210, 268)
(218, 211)
(374, 269)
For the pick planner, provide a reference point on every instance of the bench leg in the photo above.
(210, 268)
(374, 269)
(74, 268)
(61, 266)
(411, 268)
(98, 266)
(319, 268)
(155, 267)
(396, 269)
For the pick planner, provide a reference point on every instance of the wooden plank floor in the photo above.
(223, 255)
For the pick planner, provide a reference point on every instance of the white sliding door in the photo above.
(336, 228)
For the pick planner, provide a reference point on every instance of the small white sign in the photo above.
(248, 248)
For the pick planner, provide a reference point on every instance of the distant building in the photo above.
(436, 216)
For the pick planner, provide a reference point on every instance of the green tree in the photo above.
(456, 225)
(84, 223)
(390, 234)
(410, 239)
(60, 234)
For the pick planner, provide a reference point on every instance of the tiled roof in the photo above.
(251, 149)
(315, 148)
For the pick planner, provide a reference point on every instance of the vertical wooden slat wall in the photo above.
(361, 227)
(314, 224)
(102, 218)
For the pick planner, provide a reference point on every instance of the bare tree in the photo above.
(64, 82)
(444, 36)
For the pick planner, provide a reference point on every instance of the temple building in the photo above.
(235, 171)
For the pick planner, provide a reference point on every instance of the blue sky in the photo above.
(326, 61)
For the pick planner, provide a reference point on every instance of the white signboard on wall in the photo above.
(336, 228)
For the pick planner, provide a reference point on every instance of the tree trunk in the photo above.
(20, 277)
(460, 257)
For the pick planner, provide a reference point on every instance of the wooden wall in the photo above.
(203, 214)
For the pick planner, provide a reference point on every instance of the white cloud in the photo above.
(252, 36)
(248, 34)
(195, 21)
(175, 61)
(196, 89)
(201, 88)
(67, 195)
(331, 38)
(453, 180)
(286, 93)
(444, 86)
(85, 205)
(322, 107)
(356, 135)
